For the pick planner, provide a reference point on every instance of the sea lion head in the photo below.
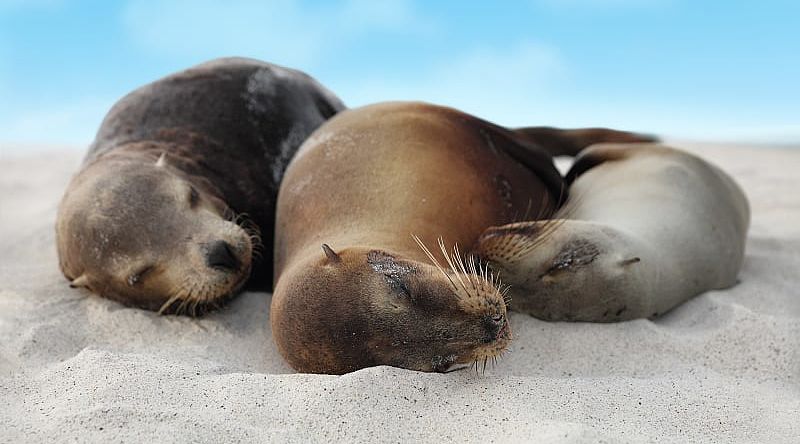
(148, 235)
(550, 264)
(341, 311)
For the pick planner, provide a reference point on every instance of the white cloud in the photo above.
(504, 85)
(283, 31)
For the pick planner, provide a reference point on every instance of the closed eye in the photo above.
(136, 278)
(194, 197)
(398, 286)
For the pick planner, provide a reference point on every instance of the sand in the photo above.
(724, 367)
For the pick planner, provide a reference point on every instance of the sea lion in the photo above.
(646, 227)
(374, 187)
(179, 187)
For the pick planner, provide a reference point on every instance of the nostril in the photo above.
(495, 326)
(220, 255)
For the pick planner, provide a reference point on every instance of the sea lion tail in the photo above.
(570, 142)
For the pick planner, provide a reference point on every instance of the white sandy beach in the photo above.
(724, 367)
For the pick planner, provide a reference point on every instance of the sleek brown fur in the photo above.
(167, 210)
(367, 183)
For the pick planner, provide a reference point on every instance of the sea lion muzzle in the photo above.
(220, 255)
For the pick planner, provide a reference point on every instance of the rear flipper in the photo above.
(534, 147)
(572, 270)
(569, 142)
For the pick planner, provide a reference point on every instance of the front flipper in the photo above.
(571, 270)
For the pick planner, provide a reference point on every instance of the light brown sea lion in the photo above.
(181, 182)
(361, 186)
(646, 227)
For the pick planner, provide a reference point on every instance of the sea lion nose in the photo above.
(496, 326)
(220, 255)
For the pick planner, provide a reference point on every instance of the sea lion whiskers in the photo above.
(257, 246)
(471, 264)
(451, 264)
(518, 244)
(504, 293)
(207, 301)
(497, 282)
(462, 271)
(462, 268)
(188, 298)
(522, 246)
(473, 271)
(549, 226)
(482, 268)
(177, 292)
(191, 296)
(168, 304)
(251, 229)
(182, 305)
(197, 295)
(195, 301)
(433, 259)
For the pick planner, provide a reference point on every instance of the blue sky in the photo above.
(710, 70)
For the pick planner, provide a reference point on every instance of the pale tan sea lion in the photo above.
(646, 228)
(361, 186)
(181, 182)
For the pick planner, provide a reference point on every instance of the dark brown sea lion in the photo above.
(373, 186)
(181, 182)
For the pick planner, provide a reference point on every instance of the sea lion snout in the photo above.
(385, 308)
(220, 255)
(152, 238)
(550, 269)
(496, 326)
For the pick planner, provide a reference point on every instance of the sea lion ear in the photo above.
(630, 261)
(162, 160)
(333, 258)
(80, 281)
